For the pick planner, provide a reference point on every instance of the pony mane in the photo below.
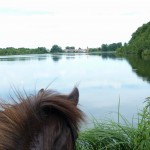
(45, 121)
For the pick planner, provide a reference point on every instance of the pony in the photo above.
(46, 120)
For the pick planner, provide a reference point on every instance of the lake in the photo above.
(101, 79)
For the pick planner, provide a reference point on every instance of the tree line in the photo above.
(104, 47)
(107, 47)
(55, 49)
(139, 42)
(21, 51)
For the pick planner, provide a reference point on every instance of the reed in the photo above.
(120, 135)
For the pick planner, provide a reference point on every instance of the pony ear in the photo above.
(74, 95)
(40, 91)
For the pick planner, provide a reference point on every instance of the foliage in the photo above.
(70, 47)
(139, 42)
(20, 51)
(140, 65)
(111, 47)
(110, 135)
(56, 49)
(146, 52)
(142, 137)
(94, 49)
(106, 47)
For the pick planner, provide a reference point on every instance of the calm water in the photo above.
(101, 78)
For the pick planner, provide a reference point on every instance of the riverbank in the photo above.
(118, 136)
(22, 51)
(6, 52)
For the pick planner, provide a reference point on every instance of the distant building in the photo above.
(83, 50)
(79, 50)
(69, 50)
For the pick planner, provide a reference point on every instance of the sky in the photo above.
(79, 23)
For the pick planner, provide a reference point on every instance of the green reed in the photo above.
(111, 135)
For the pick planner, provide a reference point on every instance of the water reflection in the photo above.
(102, 77)
(70, 57)
(23, 57)
(108, 55)
(140, 66)
(105, 55)
(56, 58)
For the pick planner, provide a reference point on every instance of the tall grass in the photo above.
(111, 135)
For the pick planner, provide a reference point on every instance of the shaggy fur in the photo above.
(46, 121)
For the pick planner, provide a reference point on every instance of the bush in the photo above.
(146, 52)
(111, 135)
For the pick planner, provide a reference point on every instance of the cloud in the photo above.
(81, 23)
(19, 12)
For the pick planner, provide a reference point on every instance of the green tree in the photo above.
(22, 50)
(104, 47)
(95, 49)
(111, 47)
(139, 42)
(70, 47)
(56, 49)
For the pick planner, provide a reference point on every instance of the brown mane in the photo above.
(45, 121)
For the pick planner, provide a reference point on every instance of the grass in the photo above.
(111, 135)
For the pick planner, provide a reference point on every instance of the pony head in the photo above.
(44, 121)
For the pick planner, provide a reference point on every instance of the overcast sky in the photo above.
(79, 23)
